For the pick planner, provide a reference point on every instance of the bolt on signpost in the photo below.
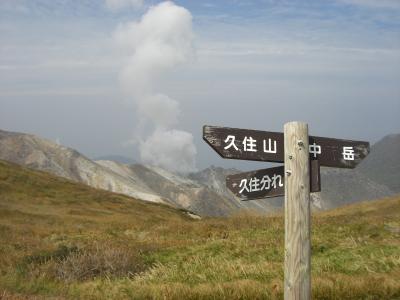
(302, 156)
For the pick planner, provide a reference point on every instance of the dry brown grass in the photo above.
(64, 240)
(73, 264)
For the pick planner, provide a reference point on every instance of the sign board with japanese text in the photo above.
(302, 156)
(267, 183)
(244, 144)
(259, 184)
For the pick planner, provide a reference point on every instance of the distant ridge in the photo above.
(139, 181)
(377, 176)
(344, 186)
(383, 163)
(203, 192)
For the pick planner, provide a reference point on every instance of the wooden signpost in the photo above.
(245, 144)
(297, 213)
(295, 180)
(267, 183)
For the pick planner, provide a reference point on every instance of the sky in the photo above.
(140, 78)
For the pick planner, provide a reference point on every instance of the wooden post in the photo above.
(297, 212)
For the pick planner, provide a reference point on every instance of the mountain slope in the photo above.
(146, 183)
(378, 175)
(41, 154)
(215, 179)
(174, 189)
(340, 187)
(182, 191)
(116, 158)
(204, 192)
(383, 163)
(26, 191)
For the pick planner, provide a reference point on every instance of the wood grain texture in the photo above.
(297, 212)
(328, 151)
(215, 137)
(272, 189)
(234, 181)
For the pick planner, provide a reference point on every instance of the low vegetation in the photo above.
(63, 240)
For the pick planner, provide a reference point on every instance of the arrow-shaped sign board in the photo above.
(245, 144)
(267, 183)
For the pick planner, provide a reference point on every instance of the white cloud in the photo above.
(120, 4)
(161, 40)
(160, 109)
(171, 149)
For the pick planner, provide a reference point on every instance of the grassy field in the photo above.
(62, 240)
